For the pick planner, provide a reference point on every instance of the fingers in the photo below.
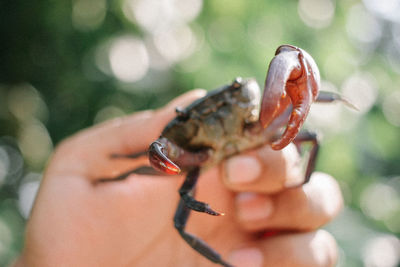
(144, 126)
(268, 198)
(302, 208)
(315, 249)
(89, 151)
(263, 170)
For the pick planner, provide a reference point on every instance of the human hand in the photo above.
(78, 222)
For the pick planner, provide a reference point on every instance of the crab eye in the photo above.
(237, 82)
(181, 114)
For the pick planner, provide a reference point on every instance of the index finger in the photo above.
(90, 149)
(133, 132)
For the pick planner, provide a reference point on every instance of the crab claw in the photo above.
(160, 161)
(293, 78)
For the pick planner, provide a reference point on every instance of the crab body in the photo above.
(222, 123)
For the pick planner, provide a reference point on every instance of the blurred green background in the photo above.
(66, 65)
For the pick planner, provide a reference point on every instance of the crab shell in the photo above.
(222, 123)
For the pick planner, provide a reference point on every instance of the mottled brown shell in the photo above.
(217, 121)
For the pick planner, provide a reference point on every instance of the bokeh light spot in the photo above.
(200, 56)
(386, 9)
(328, 117)
(152, 15)
(362, 26)
(27, 193)
(25, 103)
(128, 58)
(361, 90)
(316, 13)
(4, 164)
(396, 35)
(88, 14)
(382, 251)
(187, 10)
(35, 143)
(175, 43)
(392, 50)
(108, 113)
(149, 14)
(391, 108)
(379, 201)
(11, 162)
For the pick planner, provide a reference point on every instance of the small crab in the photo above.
(230, 120)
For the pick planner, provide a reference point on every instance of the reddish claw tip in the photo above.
(296, 120)
(159, 160)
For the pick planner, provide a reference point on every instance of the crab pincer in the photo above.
(160, 161)
(293, 79)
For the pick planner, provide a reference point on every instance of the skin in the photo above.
(78, 222)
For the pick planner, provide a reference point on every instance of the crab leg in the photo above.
(182, 215)
(293, 78)
(141, 170)
(186, 194)
(303, 137)
(329, 97)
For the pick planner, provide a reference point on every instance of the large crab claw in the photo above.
(293, 78)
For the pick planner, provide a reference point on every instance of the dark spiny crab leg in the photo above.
(328, 97)
(182, 215)
(293, 78)
(141, 170)
(160, 161)
(303, 137)
(186, 194)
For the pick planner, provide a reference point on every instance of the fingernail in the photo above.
(242, 169)
(246, 257)
(324, 247)
(253, 207)
(294, 173)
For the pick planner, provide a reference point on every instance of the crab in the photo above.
(230, 120)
